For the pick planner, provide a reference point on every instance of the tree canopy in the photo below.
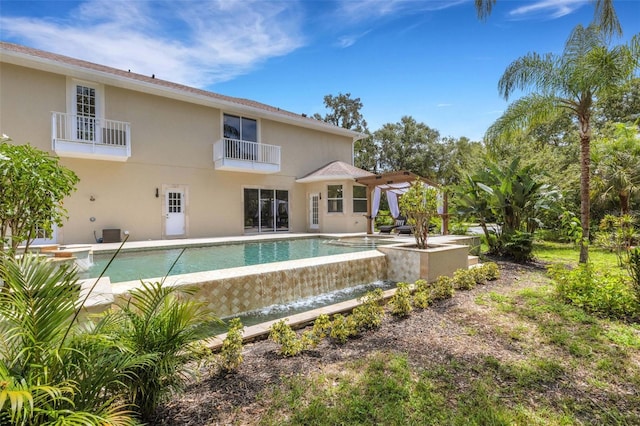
(33, 186)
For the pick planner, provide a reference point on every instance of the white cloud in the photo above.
(549, 8)
(443, 105)
(367, 10)
(349, 40)
(196, 42)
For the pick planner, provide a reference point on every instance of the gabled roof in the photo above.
(336, 170)
(52, 62)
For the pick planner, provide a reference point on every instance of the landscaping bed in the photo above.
(507, 352)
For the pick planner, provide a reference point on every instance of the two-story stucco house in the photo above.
(162, 160)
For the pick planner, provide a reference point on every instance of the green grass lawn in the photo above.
(569, 254)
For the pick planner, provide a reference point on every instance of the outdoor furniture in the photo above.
(404, 230)
(386, 229)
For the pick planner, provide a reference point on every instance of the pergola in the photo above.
(396, 181)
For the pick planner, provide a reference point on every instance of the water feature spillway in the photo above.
(231, 291)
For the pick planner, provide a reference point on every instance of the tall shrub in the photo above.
(32, 188)
(419, 204)
(162, 323)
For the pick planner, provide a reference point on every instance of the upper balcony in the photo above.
(243, 156)
(88, 137)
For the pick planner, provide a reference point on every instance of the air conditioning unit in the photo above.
(111, 235)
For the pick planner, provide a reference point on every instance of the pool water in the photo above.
(130, 266)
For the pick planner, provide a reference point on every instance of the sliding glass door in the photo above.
(266, 210)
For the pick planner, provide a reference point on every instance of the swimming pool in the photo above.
(129, 266)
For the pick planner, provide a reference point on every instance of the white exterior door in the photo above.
(175, 213)
(314, 211)
(43, 237)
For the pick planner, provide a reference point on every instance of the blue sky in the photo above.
(431, 59)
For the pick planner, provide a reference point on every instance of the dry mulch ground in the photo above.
(458, 328)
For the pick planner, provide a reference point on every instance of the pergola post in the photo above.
(370, 190)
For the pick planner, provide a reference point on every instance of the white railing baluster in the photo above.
(90, 133)
(253, 152)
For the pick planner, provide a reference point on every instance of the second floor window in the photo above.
(334, 198)
(240, 128)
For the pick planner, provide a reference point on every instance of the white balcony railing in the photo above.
(245, 156)
(89, 137)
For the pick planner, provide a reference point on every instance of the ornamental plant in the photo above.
(343, 327)
(464, 279)
(165, 325)
(52, 370)
(400, 302)
(282, 334)
(321, 327)
(231, 351)
(422, 294)
(32, 187)
(442, 288)
(370, 312)
(419, 204)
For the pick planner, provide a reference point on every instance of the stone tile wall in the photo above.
(232, 291)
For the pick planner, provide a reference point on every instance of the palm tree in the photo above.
(605, 14)
(617, 166)
(586, 70)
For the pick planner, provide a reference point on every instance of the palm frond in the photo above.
(35, 306)
(606, 18)
(484, 7)
(581, 41)
(521, 115)
(530, 71)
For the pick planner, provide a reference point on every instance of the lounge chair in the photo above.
(404, 230)
(386, 229)
(408, 229)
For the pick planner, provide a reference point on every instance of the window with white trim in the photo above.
(359, 199)
(334, 198)
(240, 128)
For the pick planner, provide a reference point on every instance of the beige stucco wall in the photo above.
(406, 263)
(171, 144)
(348, 220)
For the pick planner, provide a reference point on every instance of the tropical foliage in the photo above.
(32, 188)
(616, 166)
(163, 324)
(586, 70)
(514, 198)
(55, 370)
